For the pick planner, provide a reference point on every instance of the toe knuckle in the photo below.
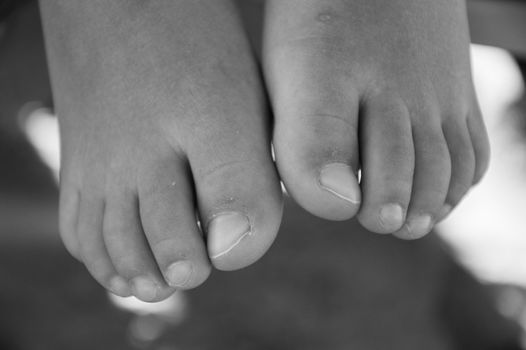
(326, 124)
(161, 245)
(223, 170)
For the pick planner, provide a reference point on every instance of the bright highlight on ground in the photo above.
(488, 229)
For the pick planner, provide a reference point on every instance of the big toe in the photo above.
(315, 134)
(239, 198)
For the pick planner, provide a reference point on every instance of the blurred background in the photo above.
(323, 285)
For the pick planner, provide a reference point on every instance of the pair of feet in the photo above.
(164, 119)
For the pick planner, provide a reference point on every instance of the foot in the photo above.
(161, 111)
(378, 86)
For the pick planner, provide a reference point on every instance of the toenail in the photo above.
(419, 226)
(392, 216)
(225, 232)
(144, 288)
(120, 287)
(339, 179)
(446, 209)
(179, 273)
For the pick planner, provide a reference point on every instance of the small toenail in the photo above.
(144, 288)
(419, 226)
(339, 179)
(446, 209)
(179, 273)
(225, 232)
(120, 287)
(392, 216)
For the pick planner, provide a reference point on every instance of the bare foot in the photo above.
(383, 86)
(161, 111)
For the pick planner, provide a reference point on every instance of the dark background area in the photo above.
(323, 285)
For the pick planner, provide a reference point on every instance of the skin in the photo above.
(153, 126)
(163, 119)
(383, 87)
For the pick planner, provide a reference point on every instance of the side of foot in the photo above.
(163, 121)
(382, 87)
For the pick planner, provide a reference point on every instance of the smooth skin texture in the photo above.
(381, 86)
(163, 121)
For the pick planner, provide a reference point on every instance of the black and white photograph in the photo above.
(263, 174)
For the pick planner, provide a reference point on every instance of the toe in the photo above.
(387, 155)
(430, 181)
(167, 211)
(315, 97)
(315, 141)
(68, 217)
(240, 207)
(129, 250)
(239, 197)
(480, 141)
(462, 163)
(92, 248)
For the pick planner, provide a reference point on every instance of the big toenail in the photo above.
(446, 209)
(178, 274)
(144, 288)
(339, 179)
(419, 226)
(392, 216)
(225, 232)
(120, 287)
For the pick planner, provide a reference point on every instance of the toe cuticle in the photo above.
(179, 274)
(225, 232)
(144, 288)
(339, 179)
(392, 216)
